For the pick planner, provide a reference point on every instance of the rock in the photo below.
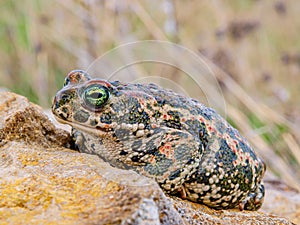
(22, 120)
(282, 200)
(199, 214)
(41, 182)
(61, 186)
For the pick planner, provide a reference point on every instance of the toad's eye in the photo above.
(95, 96)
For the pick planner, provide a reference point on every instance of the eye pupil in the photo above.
(96, 95)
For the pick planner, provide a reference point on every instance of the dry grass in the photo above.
(253, 48)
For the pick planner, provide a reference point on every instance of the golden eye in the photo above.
(95, 96)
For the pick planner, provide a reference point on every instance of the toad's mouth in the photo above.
(100, 130)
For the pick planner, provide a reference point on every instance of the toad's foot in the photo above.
(254, 199)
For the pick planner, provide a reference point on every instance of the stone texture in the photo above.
(22, 120)
(41, 182)
(282, 200)
(193, 213)
(46, 186)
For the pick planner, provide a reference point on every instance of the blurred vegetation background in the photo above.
(252, 46)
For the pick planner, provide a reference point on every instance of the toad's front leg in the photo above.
(172, 156)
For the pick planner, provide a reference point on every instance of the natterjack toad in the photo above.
(185, 146)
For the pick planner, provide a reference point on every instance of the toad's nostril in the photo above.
(65, 109)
